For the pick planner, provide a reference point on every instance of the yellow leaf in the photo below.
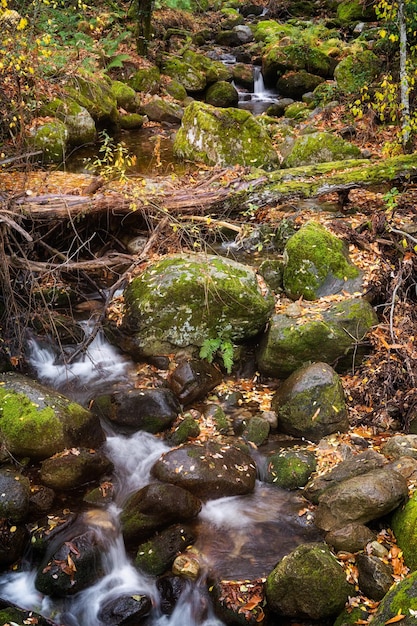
(382, 33)
(396, 618)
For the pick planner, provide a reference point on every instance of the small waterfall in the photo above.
(259, 100)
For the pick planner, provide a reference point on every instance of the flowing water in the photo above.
(261, 98)
(238, 537)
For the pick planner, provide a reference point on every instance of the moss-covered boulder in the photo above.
(270, 31)
(155, 506)
(36, 422)
(131, 121)
(126, 97)
(257, 430)
(296, 84)
(311, 403)
(223, 137)
(298, 335)
(213, 70)
(191, 78)
(73, 468)
(209, 471)
(14, 495)
(280, 59)
(188, 428)
(157, 554)
(316, 264)
(290, 469)
(320, 147)
(297, 111)
(404, 525)
(93, 92)
(243, 75)
(357, 71)
(146, 79)
(399, 604)
(50, 137)
(222, 94)
(176, 90)
(159, 110)
(349, 11)
(308, 582)
(79, 123)
(184, 300)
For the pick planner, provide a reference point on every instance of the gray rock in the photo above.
(244, 33)
(350, 538)
(401, 445)
(361, 499)
(208, 471)
(375, 576)
(14, 495)
(73, 468)
(125, 610)
(193, 380)
(311, 403)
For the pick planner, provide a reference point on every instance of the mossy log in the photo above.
(219, 193)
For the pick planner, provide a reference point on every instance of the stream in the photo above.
(240, 538)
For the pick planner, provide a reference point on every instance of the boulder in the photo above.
(207, 471)
(74, 468)
(188, 428)
(228, 38)
(320, 147)
(125, 610)
(50, 137)
(193, 379)
(155, 556)
(37, 422)
(73, 566)
(280, 59)
(308, 582)
(311, 403)
(357, 71)
(93, 92)
(213, 70)
(316, 264)
(146, 79)
(399, 604)
(155, 506)
(400, 445)
(374, 576)
(244, 33)
(290, 469)
(126, 97)
(295, 84)
(350, 538)
(297, 335)
(152, 410)
(81, 128)
(243, 75)
(14, 495)
(192, 79)
(185, 300)
(349, 11)
(13, 542)
(159, 110)
(223, 137)
(257, 430)
(222, 94)
(361, 499)
(131, 121)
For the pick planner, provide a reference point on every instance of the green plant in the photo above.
(113, 160)
(391, 200)
(224, 347)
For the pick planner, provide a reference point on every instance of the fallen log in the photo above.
(231, 196)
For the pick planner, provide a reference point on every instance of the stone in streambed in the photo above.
(290, 469)
(14, 495)
(125, 610)
(73, 468)
(193, 380)
(155, 556)
(350, 538)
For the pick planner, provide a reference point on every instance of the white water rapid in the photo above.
(261, 98)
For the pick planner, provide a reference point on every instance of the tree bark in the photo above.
(404, 84)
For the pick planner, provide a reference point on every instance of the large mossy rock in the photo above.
(159, 110)
(296, 84)
(126, 97)
(94, 93)
(51, 138)
(73, 468)
(222, 94)
(320, 147)
(191, 78)
(80, 125)
(280, 59)
(183, 300)
(146, 79)
(37, 422)
(334, 334)
(223, 137)
(208, 471)
(311, 403)
(404, 525)
(213, 70)
(308, 582)
(156, 555)
(155, 506)
(290, 469)
(357, 71)
(361, 499)
(401, 600)
(316, 264)
(349, 11)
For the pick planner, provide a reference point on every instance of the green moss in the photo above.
(191, 78)
(222, 94)
(401, 599)
(349, 11)
(257, 430)
(125, 96)
(357, 71)
(131, 121)
(93, 92)
(187, 429)
(146, 80)
(270, 31)
(312, 254)
(297, 111)
(290, 469)
(25, 427)
(319, 147)
(404, 525)
(51, 138)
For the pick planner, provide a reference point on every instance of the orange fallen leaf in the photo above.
(395, 619)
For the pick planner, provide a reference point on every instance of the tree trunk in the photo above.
(143, 16)
(404, 85)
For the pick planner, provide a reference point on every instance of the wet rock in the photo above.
(13, 542)
(184, 300)
(350, 538)
(187, 564)
(239, 603)
(308, 582)
(296, 336)
(257, 430)
(221, 421)
(74, 566)
(375, 576)
(404, 525)
(51, 529)
(151, 410)
(223, 137)
(20, 617)
(159, 110)
(243, 75)
(170, 589)
(127, 610)
(41, 500)
(316, 264)
(320, 147)
(401, 445)
(155, 506)
(295, 84)
(208, 471)
(361, 499)
(222, 94)
(74, 468)
(188, 428)
(311, 403)
(14, 495)
(400, 600)
(155, 556)
(290, 469)
(193, 380)
(38, 422)
(359, 464)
